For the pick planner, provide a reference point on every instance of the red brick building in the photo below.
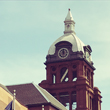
(70, 71)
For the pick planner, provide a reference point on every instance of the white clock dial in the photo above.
(63, 53)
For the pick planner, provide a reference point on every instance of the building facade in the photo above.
(70, 71)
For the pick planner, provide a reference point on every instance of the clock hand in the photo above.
(63, 51)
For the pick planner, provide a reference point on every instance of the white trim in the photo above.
(41, 92)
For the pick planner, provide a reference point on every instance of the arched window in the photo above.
(88, 74)
(64, 74)
(54, 78)
(84, 70)
(74, 75)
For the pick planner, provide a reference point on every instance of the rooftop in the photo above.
(32, 94)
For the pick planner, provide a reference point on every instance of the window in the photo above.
(64, 74)
(74, 105)
(84, 70)
(54, 78)
(88, 75)
(74, 75)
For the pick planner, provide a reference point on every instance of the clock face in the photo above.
(63, 53)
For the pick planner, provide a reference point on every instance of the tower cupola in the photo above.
(77, 50)
(70, 71)
(69, 23)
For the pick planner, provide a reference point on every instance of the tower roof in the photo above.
(69, 16)
(77, 44)
(69, 36)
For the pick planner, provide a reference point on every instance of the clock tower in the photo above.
(70, 71)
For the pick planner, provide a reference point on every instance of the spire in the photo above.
(69, 16)
(69, 23)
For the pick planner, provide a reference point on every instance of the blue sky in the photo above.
(28, 28)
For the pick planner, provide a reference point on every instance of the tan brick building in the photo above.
(6, 97)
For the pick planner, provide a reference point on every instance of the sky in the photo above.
(28, 28)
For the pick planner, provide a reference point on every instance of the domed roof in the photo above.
(69, 36)
(77, 44)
